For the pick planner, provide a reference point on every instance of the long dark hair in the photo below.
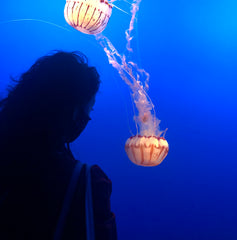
(44, 98)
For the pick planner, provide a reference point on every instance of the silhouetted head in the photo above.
(51, 102)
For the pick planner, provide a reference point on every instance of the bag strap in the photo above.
(67, 201)
(90, 230)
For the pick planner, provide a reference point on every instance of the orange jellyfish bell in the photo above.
(88, 16)
(146, 151)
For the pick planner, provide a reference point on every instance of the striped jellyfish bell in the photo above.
(88, 16)
(146, 151)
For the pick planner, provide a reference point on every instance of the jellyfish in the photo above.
(88, 16)
(149, 146)
(146, 151)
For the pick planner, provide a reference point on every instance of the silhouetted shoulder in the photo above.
(99, 175)
(101, 188)
(104, 219)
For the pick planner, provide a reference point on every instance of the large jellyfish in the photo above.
(148, 147)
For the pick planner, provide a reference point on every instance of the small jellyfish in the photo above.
(88, 16)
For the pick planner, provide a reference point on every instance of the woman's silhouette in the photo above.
(46, 110)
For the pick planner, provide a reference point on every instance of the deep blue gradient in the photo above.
(190, 50)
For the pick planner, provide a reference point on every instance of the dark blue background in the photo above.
(190, 50)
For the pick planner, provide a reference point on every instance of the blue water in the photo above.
(190, 50)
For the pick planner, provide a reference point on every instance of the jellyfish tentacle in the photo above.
(35, 20)
(128, 32)
(120, 9)
(128, 71)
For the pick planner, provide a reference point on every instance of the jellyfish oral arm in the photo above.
(137, 79)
